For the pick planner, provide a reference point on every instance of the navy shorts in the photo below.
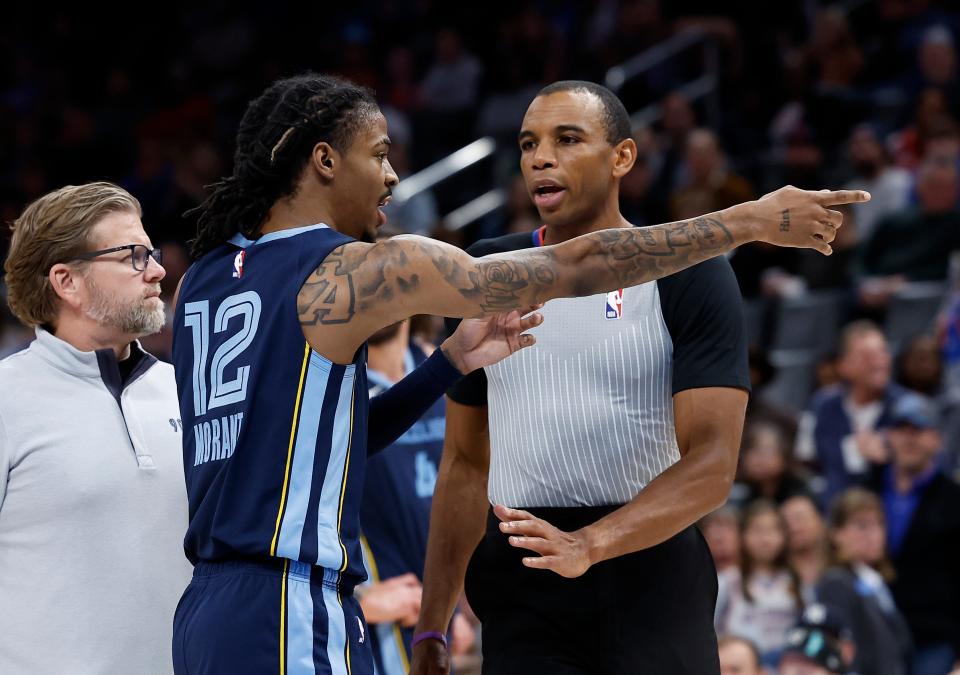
(279, 616)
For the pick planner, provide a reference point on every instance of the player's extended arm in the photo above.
(360, 288)
(457, 521)
(709, 423)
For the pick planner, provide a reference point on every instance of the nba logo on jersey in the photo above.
(238, 264)
(615, 304)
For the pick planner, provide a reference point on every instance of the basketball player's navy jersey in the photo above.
(274, 434)
(395, 512)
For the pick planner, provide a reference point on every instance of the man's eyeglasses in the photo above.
(139, 255)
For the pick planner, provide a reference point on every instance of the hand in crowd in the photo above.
(872, 445)
(393, 599)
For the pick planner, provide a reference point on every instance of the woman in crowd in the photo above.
(807, 547)
(856, 585)
(766, 467)
(762, 602)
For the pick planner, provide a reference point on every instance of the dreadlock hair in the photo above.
(274, 143)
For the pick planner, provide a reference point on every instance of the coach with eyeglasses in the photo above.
(93, 505)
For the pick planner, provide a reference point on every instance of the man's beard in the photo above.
(137, 318)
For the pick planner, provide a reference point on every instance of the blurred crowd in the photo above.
(846, 501)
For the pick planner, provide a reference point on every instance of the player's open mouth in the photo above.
(547, 194)
(381, 216)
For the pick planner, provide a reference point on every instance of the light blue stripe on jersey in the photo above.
(241, 241)
(304, 449)
(300, 621)
(292, 232)
(336, 632)
(329, 549)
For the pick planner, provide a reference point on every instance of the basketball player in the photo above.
(395, 511)
(598, 449)
(269, 354)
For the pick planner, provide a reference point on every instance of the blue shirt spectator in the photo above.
(839, 433)
(923, 504)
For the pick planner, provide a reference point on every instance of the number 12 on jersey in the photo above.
(246, 305)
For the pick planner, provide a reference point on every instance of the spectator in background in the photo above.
(400, 91)
(765, 466)
(807, 545)
(937, 65)
(395, 511)
(452, 82)
(839, 432)
(520, 215)
(640, 202)
(922, 508)
(739, 656)
(827, 371)
(835, 102)
(889, 186)
(707, 184)
(931, 121)
(919, 366)
(677, 121)
(760, 408)
(856, 585)
(418, 214)
(817, 645)
(915, 244)
(949, 331)
(448, 97)
(763, 600)
(721, 529)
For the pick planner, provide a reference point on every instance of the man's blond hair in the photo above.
(54, 229)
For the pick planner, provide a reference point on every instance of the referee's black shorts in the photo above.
(647, 613)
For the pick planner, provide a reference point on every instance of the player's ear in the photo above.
(325, 160)
(625, 157)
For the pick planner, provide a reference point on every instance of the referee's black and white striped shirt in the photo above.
(585, 417)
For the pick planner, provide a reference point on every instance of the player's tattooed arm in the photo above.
(413, 274)
(378, 284)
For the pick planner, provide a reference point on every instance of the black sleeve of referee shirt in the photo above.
(703, 311)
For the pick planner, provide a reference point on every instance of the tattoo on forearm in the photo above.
(785, 221)
(623, 257)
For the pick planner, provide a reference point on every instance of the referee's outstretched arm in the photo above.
(360, 288)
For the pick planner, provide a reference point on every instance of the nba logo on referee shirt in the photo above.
(238, 264)
(615, 304)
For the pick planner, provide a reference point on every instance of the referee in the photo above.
(608, 441)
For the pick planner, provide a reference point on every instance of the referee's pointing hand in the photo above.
(565, 553)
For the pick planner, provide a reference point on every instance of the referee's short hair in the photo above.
(54, 229)
(616, 121)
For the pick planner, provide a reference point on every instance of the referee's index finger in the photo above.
(836, 197)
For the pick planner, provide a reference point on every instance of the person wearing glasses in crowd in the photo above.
(92, 498)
